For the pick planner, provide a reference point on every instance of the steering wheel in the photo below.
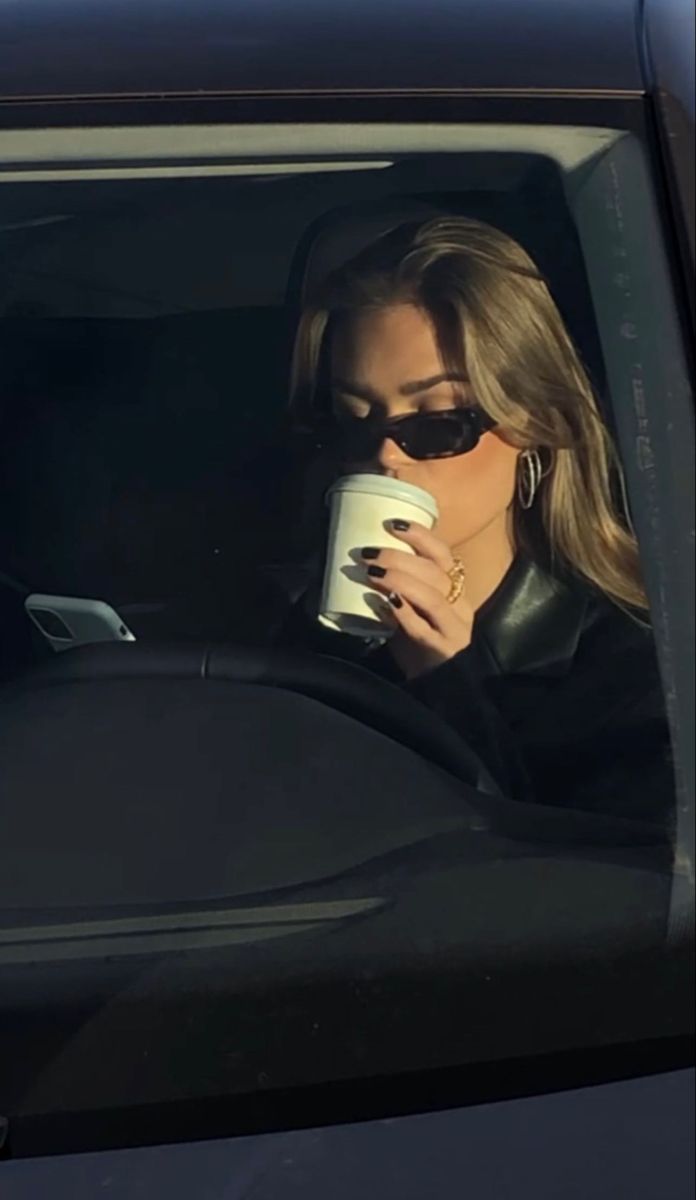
(343, 686)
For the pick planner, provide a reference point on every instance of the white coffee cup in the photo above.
(362, 507)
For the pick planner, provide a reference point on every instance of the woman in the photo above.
(437, 356)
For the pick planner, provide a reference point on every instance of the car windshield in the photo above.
(247, 843)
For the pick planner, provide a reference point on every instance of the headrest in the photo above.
(336, 238)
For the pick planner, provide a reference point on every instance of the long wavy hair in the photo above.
(495, 317)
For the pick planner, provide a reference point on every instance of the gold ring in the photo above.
(456, 575)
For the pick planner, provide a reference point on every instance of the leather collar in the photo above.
(532, 622)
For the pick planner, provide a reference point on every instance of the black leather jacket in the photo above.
(559, 693)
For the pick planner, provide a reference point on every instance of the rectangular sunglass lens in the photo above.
(439, 436)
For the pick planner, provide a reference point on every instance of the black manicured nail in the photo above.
(371, 552)
(402, 526)
(376, 572)
(395, 600)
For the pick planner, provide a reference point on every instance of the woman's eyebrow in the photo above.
(425, 385)
(363, 392)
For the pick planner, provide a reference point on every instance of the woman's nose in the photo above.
(390, 456)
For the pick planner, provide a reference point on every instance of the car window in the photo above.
(152, 284)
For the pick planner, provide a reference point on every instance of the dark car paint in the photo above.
(622, 1140)
(157, 47)
(162, 49)
(667, 47)
(173, 48)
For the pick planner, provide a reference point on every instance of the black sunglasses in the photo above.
(421, 435)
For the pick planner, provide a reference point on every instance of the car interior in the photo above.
(170, 798)
(146, 457)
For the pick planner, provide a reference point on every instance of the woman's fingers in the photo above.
(427, 601)
(418, 587)
(425, 543)
(378, 561)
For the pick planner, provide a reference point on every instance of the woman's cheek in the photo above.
(472, 489)
(492, 472)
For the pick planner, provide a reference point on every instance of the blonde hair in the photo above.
(493, 313)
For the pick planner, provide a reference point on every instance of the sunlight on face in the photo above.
(377, 358)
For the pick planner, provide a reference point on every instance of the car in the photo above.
(263, 921)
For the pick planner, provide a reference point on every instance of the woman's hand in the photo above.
(431, 630)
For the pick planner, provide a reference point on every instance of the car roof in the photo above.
(69, 48)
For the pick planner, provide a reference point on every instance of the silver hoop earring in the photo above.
(529, 477)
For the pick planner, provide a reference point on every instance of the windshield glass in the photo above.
(330, 552)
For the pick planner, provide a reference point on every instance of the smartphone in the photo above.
(67, 621)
